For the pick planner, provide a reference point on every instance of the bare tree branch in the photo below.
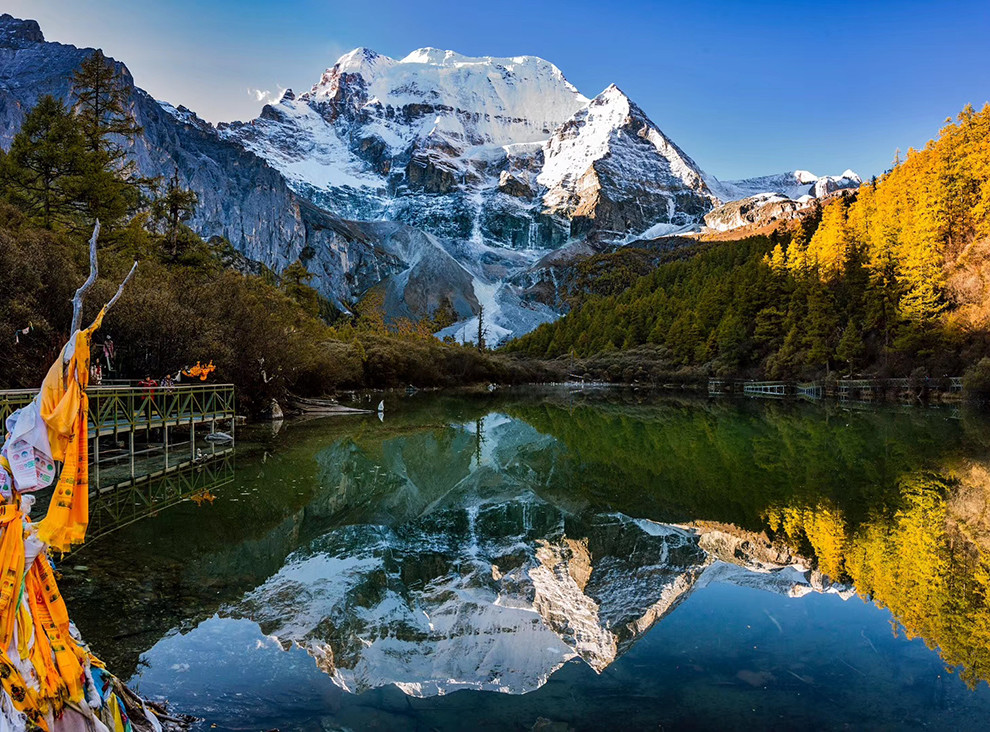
(120, 290)
(77, 299)
(94, 270)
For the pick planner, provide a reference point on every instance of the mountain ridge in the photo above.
(497, 162)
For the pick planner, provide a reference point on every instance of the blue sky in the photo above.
(745, 88)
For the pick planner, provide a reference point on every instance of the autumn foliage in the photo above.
(890, 279)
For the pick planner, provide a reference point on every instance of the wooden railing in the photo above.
(119, 409)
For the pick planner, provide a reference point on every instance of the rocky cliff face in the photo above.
(501, 151)
(611, 171)
(241, 197)
(436, 140)
(758, 210)
(499, 161)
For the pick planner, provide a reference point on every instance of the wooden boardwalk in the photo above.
(116, 410)
(131, 480)
(123, 410)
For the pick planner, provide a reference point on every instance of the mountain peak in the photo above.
(432, 56)
(611, 163)
(359, 61)
(481, 101)
(615, 100)
(18, 33)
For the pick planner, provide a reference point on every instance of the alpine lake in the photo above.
(561, 558)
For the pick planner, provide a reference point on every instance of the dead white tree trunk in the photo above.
(77, 299)
(94, 271)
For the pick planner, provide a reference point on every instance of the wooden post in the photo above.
(96, 457)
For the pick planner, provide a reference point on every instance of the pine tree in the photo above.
(103, 107)
(112, 189)
(778, 259)
(295, 283)
(44, 169)
(882, 300)
(768, 332)
(731, 338)
(827, 248)
(821, 327)
(851, 347)
(443, 316)
(172, 208)
(481, 327)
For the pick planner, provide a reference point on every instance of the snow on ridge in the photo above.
(794, 185)
(311, 153)
(479, 151)
(584, 138)
(361, 61)
(588, 136)
(512, 100)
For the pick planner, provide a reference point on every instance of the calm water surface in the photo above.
(557, 559)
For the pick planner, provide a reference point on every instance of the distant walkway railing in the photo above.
(843, 389)
(768, 388)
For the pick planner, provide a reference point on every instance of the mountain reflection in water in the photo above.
(483, 542)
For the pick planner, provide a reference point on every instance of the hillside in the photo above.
(886, 280)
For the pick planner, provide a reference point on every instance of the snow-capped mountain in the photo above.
(438, 177)
(794, 185)
(379, 138)
(610, 169)
(768, 198)
(501, 161)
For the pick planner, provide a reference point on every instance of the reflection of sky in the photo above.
(728, 655)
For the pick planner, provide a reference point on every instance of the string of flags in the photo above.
(200, 371)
